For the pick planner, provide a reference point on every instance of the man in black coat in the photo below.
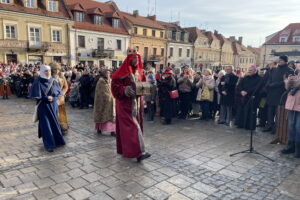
(275, 90)
(85, 89)
(227, 91)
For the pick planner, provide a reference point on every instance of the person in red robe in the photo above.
(129, 108)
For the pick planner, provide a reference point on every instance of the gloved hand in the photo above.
(129, 91)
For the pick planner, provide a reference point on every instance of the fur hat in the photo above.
(55, 65)
(284, 58)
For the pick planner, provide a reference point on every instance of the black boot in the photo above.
(289, 149)
(297, 150)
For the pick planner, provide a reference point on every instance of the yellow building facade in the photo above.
(149, 38)
(32, 37)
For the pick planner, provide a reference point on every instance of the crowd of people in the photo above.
(228, 96)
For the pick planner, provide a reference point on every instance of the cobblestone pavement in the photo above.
(190, 160)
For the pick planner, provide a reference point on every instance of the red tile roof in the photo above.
(142, 21)
(18, 6)
(211, 37)
(194, 33)
(290, 31)
(108, 11)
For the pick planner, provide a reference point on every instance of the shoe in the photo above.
(297, 150)
(227, 124)
(113, 134)
(49, 150)
(143, 157)
(99, 132)
(289, 149)
(221, 122)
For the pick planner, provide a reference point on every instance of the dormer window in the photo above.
(98, 19)
(116, 23)
(78, 16)
(52, 5)
(5, 1)
(29, 3)
(283, 39)
(182, 36)
(296, 39)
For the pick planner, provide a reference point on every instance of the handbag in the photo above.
(205, 96)
(35, 117)
(174, 94)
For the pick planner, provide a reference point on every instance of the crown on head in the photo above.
(131, 51)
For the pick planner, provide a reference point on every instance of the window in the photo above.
(297, 39)
(171, 51)
(173, 35)
(162, 52)
(145, 52)
(180, 52)
(79, 16)
(100, 43)
(10, 31)
(35, 35)
(283, 39)
(116, 23)
(98, 19)
(5, 1)
(56, 36)
(81, 41)
(182, 36)
(154, 51)
(135, 30)
(153, 33)
(188, 52)
(119, 44)
(162, 34)
(52, 5)
(29, 3)
(145, 32)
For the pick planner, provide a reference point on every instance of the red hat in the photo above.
(125, 69)
(168, 71)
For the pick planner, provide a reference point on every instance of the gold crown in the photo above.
(131, 51)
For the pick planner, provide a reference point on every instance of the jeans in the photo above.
(185, 103)
(225, 114)
(294, 126)
(206, 112)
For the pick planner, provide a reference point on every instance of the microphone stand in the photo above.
(252, 115)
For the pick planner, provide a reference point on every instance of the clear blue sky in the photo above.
(252, 19)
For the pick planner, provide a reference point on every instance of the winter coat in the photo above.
(152, 96)
(293, 101)
(210, 83)
(185, 84)
(229, 87)
(275, 85)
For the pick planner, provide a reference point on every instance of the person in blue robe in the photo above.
(48, 127)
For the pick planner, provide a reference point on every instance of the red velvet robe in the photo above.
(129, 124)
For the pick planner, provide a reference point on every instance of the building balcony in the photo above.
(103, 53)
(34, 46)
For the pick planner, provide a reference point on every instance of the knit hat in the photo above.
(284, 58)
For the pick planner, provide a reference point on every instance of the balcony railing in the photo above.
(154, 58)
(38, 46)
(103, 53)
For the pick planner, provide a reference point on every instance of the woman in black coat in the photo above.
(249, 87)
(167, 104)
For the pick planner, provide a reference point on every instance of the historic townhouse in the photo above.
(201, 52)
(148, 37)
(99, 36)
(284, 42)
(214, 53)
(34, 31)
(226, 54)
(243, 57)
(179, 51)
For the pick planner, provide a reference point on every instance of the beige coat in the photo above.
(63, 84)
(104, 110)
(210, 83)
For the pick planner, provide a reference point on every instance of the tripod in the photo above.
(252, 115)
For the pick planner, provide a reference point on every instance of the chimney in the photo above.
(136, 13)
(153, 17)
(232, 38)
(241, 40)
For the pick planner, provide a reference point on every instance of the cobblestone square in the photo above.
(190, 160)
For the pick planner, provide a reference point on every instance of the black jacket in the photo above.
(229, 87)
(275, 85)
